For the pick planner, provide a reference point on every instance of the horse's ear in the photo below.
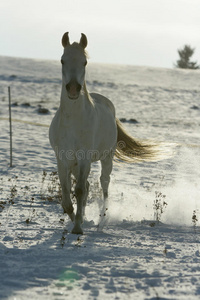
(65, 39)
(83, 41)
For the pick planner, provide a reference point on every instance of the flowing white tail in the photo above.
(133, 150)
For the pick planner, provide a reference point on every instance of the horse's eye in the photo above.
(62, 61)
(85, 63)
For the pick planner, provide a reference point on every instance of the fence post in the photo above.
(10, 121)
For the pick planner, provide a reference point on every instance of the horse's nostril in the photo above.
(78, 87)
(68, 87)
(73, 85)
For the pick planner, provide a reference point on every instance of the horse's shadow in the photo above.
(52, 260)
(54, 251)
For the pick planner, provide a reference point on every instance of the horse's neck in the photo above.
(80, 104)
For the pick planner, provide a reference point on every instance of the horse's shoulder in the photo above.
(98, 98)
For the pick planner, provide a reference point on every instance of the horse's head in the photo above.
(73, 62)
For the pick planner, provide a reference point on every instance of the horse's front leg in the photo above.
(81, 192)
(65, 181)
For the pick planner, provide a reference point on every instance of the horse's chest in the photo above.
(76, 135)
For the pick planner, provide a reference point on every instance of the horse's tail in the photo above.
(132, 150)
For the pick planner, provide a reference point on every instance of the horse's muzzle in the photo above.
(73, 89)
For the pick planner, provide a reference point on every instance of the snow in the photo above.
(125, 254)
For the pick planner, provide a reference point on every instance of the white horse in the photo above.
(84, 130)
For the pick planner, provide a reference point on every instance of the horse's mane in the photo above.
(88, 94)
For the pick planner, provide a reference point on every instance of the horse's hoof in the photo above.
(77, 230)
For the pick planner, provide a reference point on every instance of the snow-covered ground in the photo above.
(130, 255)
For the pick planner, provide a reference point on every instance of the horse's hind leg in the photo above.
(65, 181)
(86, 196)
(106, 170)
(81, 192)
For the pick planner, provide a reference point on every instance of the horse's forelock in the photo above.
(76, 45)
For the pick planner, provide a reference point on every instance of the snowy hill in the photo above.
(131, 255)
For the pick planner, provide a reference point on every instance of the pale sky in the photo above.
(136, 32)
